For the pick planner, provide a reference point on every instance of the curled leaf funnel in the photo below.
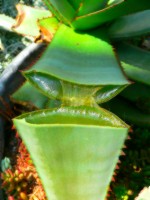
(74, 149)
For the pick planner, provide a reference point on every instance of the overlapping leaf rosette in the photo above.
(75, 146)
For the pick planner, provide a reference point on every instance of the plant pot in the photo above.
(75, 157)
(11, 79)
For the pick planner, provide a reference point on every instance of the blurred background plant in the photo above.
(10, 43)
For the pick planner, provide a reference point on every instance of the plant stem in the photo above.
(78, 95)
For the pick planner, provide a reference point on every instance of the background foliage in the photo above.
(10, 43)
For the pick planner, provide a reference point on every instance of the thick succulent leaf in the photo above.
(51, 103)
(81, 58)
(6, 22)
(136, 73)
(109, 13)
(89, 6)
(76, 4)
(139, 74)
(130, 26)
(27, 20)
(136, 92)
(128, 112)
(139, 94)
(61, 9)
(28, 93)
(108, 92)
(48, 85)
(135, 62)
(87, 152)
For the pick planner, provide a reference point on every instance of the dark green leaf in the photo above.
(135, 62)
(76, 4)
(136, 91)
(48, 85)
(128, 112)
(89, 6)
(110, 13)
(130, 26)
(137, 73)
(139, 94)
(108, 92)
(62, 9)
(28, 93)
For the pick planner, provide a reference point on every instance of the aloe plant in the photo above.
(76, 145)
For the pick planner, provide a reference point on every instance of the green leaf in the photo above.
(110, 13)
(61, 9)
(89, 6)
(48, 85)
(87, 152)
(130, 26)
(51, 103)
(28, 93)
(128, 112)
(136, 92)
(137, 73)
(108, 92)
(135, 62)
(81, 58)
(6, 22)
(27, 20)
(53, 10)
(139, 94)
(76, 4)
(71, 93)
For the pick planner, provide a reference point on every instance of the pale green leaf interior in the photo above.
(74, 115)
